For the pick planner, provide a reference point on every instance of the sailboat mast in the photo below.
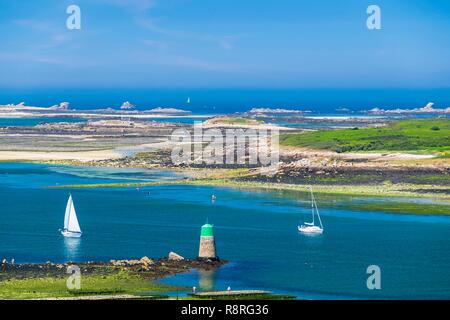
(317, 209)
(67, 214)
(312, 204)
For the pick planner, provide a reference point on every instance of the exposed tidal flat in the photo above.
(399, 191)
(256, 230)
(400, 204)
(29, 121)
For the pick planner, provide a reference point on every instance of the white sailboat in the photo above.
(310, 227)
(188, 101)
(71, 225)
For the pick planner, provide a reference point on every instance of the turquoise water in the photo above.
(24, 122)
(255, 231)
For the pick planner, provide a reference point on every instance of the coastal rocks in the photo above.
(175, 257)
(144, 261)
(61, 106)
(145, 268)
(100, 127)
(127, 106)
(117, 263)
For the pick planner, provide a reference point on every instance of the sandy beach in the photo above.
(83, 156)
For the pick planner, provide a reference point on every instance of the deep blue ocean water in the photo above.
(255, 231)
(234, 100)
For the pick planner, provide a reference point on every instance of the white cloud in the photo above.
(159, 45)
(26, 57)
(135, 6)
(33, 24)
(187, 62)
(48, 60)
(225, 42)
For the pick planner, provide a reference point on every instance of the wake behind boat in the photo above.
(71, 225)
(310, 227)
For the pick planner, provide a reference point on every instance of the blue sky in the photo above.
(221, 44)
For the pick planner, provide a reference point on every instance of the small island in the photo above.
(116, 279)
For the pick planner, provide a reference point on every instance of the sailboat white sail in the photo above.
(310, 227)
(71, 225)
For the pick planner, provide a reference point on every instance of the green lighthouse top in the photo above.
(207, 230)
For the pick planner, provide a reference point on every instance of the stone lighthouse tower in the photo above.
(207, 243)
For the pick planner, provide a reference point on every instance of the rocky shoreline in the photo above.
(145, 267)
(303, 167)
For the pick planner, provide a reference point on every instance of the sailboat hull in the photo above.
(70, 234)
(310, 229)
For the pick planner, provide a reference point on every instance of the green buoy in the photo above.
(207, 242)
(207, 230)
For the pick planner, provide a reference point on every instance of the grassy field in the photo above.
(111, 287)
(420, 135)
(236, 120)
(122, 283)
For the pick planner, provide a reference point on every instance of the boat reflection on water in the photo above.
(72, 249)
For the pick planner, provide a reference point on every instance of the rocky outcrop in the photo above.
(175, 257)
(145, 261)
(127, 106)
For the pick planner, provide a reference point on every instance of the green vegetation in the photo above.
(374, 178)
(237, 120)
(118, 185)
(435, 179)
(420, 135)
(383, 190)
(113, 285)
(444, 155)
(123, 283)
(403, 207)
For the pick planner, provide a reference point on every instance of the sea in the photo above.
(255, 231)
(231, 100)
